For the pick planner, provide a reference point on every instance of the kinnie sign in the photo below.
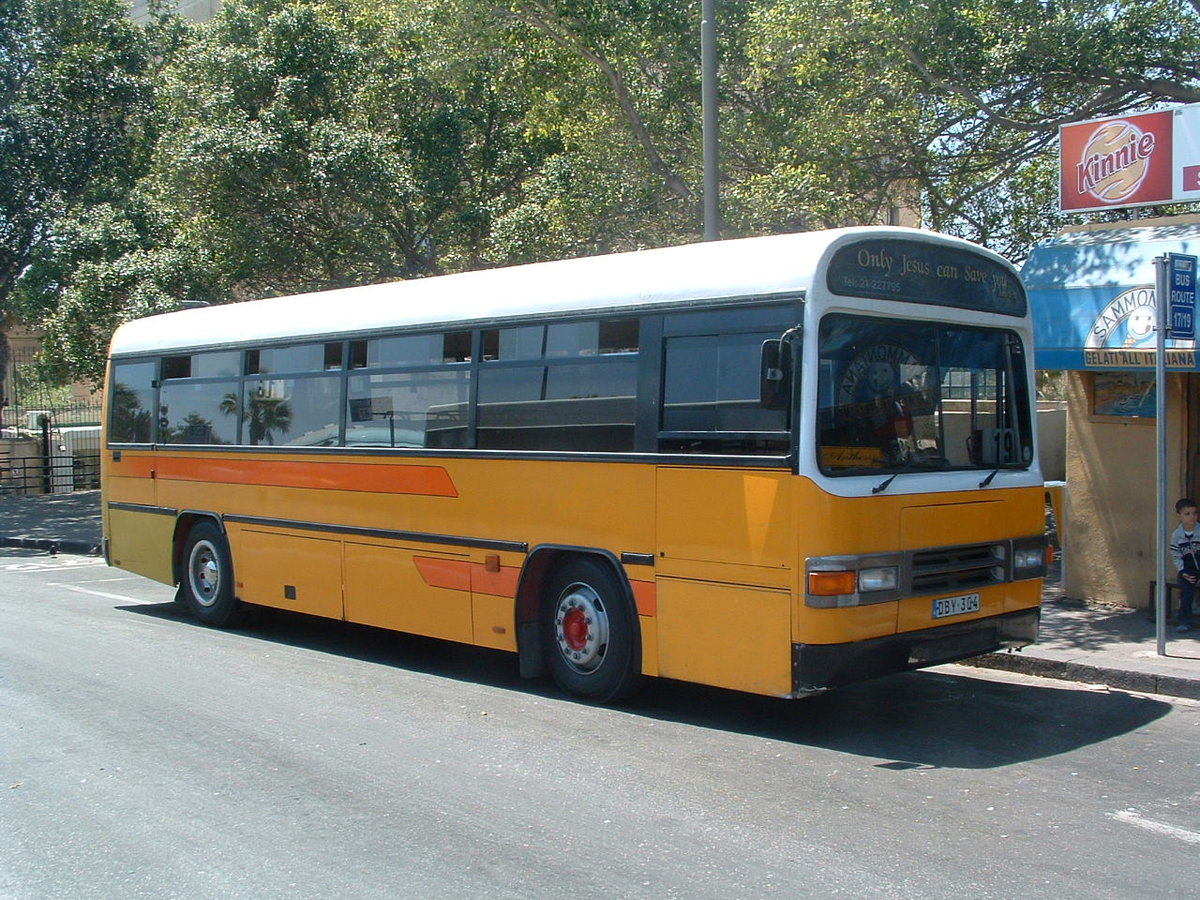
(1140, 160)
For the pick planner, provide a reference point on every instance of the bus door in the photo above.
(139, 533)
(725, 566)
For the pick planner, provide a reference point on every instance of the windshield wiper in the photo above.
(913, 464)
(883, 486)
(988, 480)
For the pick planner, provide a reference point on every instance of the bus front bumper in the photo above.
(817, 667)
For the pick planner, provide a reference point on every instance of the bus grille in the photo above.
(945, 569)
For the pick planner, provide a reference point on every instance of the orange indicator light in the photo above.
(831, 584)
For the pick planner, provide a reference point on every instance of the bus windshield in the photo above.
(902, 396)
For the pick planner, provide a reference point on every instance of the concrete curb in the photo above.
(1120, 679)
(53, 547)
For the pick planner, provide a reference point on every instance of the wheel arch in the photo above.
(542, 561)
(185, 521)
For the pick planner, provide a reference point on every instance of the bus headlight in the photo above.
(835, 581)
(880, 578)
(1029, 558)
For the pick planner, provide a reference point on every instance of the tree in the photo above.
(960, 102)
(323, 143)
(72, 92)
(633, 99)
(646, 56)
(308, 144)
(111, 262)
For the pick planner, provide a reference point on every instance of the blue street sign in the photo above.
(1181, 275)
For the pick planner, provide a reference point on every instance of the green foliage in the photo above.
(72, 93)
(291, 145)
(111, 265)
(322, 144)
(957, 103)
(79, 240)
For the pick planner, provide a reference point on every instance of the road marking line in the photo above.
(106, 596)
(1131, 818)
(37, 566)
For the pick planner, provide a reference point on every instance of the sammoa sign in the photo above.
(1138, 160)
(1122, 334)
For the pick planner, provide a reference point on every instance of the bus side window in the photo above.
(712, 394)
(131, 406)
(199, 412)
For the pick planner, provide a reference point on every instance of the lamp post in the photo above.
(708, 103)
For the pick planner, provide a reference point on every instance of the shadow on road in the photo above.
(943, 718)
(938, 718)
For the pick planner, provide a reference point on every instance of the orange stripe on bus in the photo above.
(645, 596)
(461, 575)
(452, 574)
(133, 466)
(498, 584)
(433, 481)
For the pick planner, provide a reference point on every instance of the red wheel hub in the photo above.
(575, 629)
(581, 628)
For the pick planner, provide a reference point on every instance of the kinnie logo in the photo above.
(1115, 161)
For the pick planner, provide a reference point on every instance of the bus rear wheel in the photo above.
(589, 630)
(206, 583)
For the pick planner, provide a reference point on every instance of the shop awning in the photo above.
(1092, 294)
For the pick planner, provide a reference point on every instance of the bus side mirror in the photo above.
(773, 375)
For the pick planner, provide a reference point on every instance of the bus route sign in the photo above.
(1181, 283)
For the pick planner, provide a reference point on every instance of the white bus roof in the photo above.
(780, 264)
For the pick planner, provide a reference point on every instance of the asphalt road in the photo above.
(142, 755)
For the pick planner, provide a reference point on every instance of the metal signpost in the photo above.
(1175, 297)
(708, 104)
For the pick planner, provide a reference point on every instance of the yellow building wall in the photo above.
(1110, 520)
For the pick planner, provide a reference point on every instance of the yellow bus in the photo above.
(775, 465)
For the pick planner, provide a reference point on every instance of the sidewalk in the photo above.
(55, 523)
(1110, 645)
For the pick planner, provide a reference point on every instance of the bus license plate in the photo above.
(955, 606)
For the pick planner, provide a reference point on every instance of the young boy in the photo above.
(1185, 553)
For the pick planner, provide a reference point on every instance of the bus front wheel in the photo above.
(589, 632)
(206, 585)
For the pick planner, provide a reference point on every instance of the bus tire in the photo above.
(589, 632)
(206, 582)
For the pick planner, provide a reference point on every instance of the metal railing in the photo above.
(50, 450)
(62, 415)
(60, 475)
